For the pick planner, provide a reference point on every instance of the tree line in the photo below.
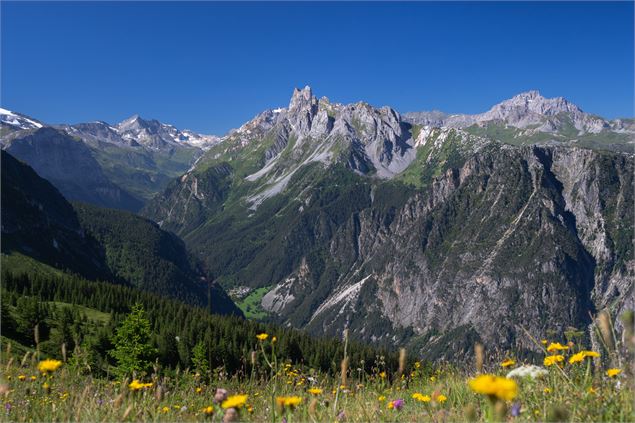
(180, 335)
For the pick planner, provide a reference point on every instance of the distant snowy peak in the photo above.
(155, 134)
(18, 121)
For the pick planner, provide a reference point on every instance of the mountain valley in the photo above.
(424, 229)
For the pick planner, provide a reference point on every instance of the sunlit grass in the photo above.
(578, 391)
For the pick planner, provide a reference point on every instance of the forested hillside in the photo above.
(98, 244)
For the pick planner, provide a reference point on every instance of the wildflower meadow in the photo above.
(568, 384)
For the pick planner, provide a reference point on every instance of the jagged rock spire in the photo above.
(302, 109)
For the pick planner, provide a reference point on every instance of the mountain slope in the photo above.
(70, 166)
(38, 221)
(97, 243)
(352, 216)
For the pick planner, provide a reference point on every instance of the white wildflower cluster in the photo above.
(527, 371)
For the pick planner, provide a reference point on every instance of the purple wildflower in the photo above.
(515, 409)
(397, 404)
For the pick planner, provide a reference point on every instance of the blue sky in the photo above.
(211, 66)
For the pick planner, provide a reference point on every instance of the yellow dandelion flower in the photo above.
(314, 391)
(136, 385)
(381, 398)
(556, 346)
(417, 364)
(592, 390)
(550, 360)
(547, 390)
(262, 336)
(290, 402)
(250, 409)
(508, 362)
(499, 387)
(33, 378)
(578, 357)
(165, 410)
(199, 389)
(441, 398)
(208, 410)
(234, 401)
(420, 397)
(544, 342)
(613, 372)
(49, 366)
(21, 377)
(382, 375)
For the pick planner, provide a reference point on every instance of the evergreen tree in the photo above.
(133, 351)
(199, 359)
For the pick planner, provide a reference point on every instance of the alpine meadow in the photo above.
(328, 259)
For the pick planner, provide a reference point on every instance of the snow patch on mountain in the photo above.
(17, 120)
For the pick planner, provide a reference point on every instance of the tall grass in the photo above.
(277, 390)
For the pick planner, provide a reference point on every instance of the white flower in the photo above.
(528, 371)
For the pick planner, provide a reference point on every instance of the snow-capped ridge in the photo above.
(17, 120)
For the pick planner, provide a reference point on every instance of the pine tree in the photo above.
(199, 359)
(133, 351)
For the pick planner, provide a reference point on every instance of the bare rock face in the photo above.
(493, 241)
(302, 109)
(411, 234)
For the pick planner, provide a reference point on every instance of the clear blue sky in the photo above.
(211, 66)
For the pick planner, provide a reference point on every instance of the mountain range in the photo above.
(120, 166)
(424, 229)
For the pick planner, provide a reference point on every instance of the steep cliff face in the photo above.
(490, 247)
(69, 165)
(408, 234)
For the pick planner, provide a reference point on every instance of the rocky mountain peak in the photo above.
(529, 95)
(302, 109)
(534, 102)
(300, 96)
